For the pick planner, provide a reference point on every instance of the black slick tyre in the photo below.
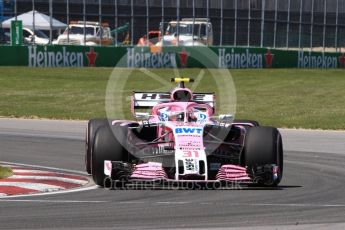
(107, 147)
(263, 146)
(92, 127)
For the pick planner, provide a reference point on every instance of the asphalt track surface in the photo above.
(310, 196)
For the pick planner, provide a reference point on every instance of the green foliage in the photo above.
(5, 172)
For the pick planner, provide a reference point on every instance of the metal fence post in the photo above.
(262, 22)
(178, 21)
(162, 25)
(67, 18)
(147, 22)
(221, 21)
(15, 9)
(193, 3)
(100, 20)
(288, 24)
(50, 21)
(336, 27)
(132, 22)
(116, 23)
(312, 25)
(324, 24)
(249, 18)
(300, 24)
(33, 21)
(208, 18)
(84, 18)
(235, 27)
(275, 23)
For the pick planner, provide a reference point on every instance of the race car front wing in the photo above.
(124, 175)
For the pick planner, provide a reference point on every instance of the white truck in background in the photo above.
(188, 32)
(95, 34)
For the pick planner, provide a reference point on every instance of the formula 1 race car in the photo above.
(181, 140)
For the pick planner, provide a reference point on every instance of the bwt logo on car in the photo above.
(188, 130)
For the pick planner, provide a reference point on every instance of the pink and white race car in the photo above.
(180, 141)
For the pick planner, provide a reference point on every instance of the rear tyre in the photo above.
(92, 127)
(107, 147)
(263, 146)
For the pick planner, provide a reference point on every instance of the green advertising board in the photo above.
(166, 57)
(16, 33)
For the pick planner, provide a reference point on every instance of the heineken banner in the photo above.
(165, 57)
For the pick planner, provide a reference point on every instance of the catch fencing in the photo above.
(317, 25)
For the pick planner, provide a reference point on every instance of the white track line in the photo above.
(55, 178)
(53, 193)
(34, 186)
(299, 205)
(131, 202)
(34, 171)
(55, 201)
(167, 203)
(44, 167)
(172, 202)
(23, 133)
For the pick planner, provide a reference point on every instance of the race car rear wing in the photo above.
(146, 100)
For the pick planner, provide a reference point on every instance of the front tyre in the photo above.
(263, 148)
(92, 127)
(107, 147)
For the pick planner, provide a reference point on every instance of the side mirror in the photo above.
(226, 118)
(142, 116)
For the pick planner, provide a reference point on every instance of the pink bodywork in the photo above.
(150, 170)
(187, 145)
(153, 171)
(232, 173)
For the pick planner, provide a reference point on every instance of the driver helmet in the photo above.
(176, 116)
(192, 116)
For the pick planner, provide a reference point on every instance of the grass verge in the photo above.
(5, 172)
(292, 98)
